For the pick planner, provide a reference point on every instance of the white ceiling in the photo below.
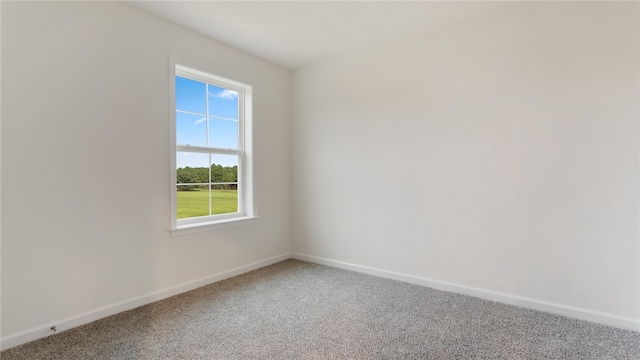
(295, 34)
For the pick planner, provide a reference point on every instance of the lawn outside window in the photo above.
(211, 177)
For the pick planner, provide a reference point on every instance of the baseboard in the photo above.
(39, 332)
(558, 309)
(96, 314)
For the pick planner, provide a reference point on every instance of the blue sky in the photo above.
(191, 128)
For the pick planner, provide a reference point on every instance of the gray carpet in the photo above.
(298, 310)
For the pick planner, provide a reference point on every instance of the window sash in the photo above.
(239, 184)
(209, 150)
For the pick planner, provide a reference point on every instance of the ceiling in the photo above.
(295, 34)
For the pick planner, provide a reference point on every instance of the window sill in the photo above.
(213, 225)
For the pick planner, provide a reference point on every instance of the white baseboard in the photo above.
(39, 332)
(559, 309)
(96, 314)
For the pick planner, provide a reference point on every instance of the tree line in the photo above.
(219, 173)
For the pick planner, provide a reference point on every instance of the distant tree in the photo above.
(216, 173)
(230, 174)
(186, 175)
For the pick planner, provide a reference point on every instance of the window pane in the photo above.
(223, 102)
(191, 95)
(192, 167)
(192, 200)
(191, 203)
(223, 133)
(224, 168)
(191, 129)
(224, 197)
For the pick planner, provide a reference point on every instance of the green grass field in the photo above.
(196, 203)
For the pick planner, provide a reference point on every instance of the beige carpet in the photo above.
(298, 310)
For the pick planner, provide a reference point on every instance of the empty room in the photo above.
(320, 180)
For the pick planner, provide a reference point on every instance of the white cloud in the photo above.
(225, 94)
(199, 121)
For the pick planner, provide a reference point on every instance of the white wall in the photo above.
(85, 160)
(500, 153)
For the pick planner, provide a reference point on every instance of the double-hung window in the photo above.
(211, 152)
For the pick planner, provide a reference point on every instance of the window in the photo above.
(211, 151)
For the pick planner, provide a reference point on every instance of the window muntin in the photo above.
(212, 176)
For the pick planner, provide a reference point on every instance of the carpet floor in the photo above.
(298, 310)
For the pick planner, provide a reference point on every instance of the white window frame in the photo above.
(246, 208)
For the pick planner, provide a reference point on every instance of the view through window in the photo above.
(209, 161)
